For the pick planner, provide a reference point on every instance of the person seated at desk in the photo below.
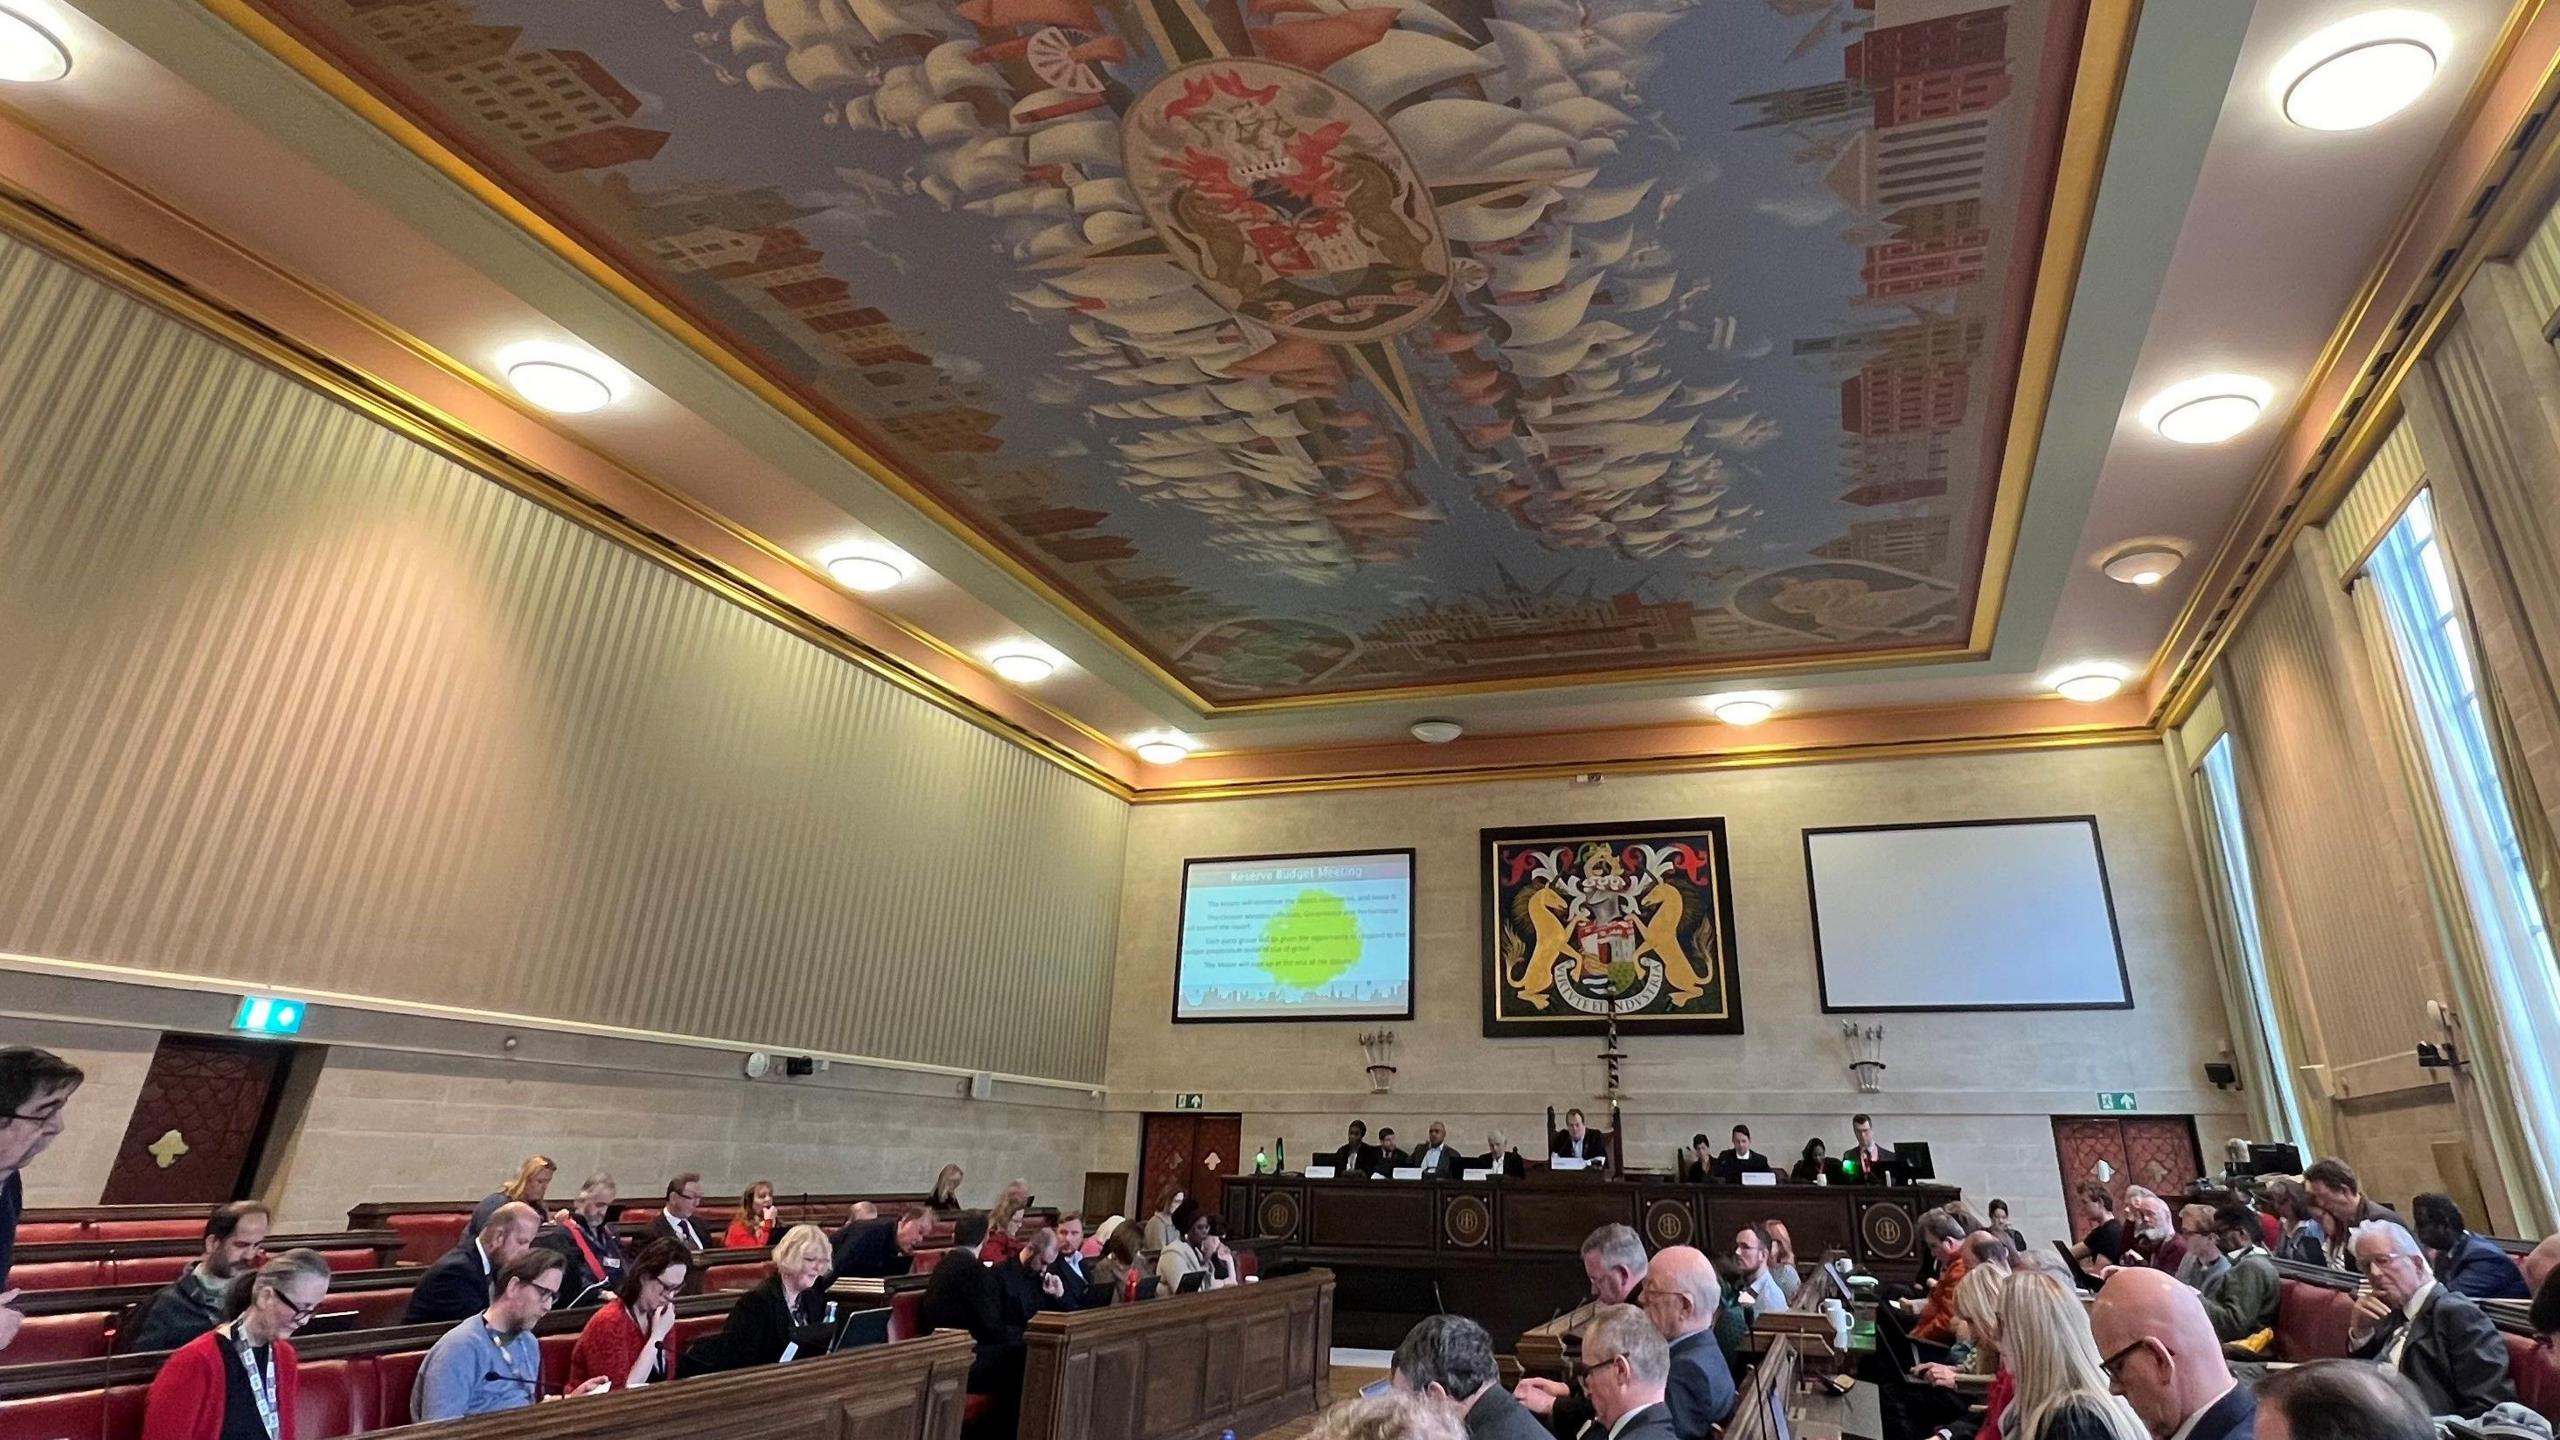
(2070, 1388)
(675, 1213)
(1120, 1274)
(625, 1341)
(2439, 1341)
(1681, 1296)
(1811, 1167)
(1355, 1157)
(1731, 1165)
(1931, 1320)
(2241, 1301)
(2468, 1264)
(239, 1380)
(532, 1185)
(1193, 1248)
(457, 1286)
(1782, 1259)
(1577, 1141)
(1448, 1361)
(1437, 1158)
(946, 1190)
(878, 1249)
(1866, 1160)
(491, 1361)
(752, 1227)
(1698, 1161)
(1755, 1287)
(582, 1236)
(1388, 1155)
(1030, 1279)
(964, 1294)
(1997, 1217)
(1069, 1267)
(1499, 1158)
(785, 1315)
(1004, 1227)
(192, 1304)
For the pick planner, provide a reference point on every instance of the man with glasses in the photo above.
(1623, 1369)
(675, 1219)
(492, 1360)
(2439, 1340)
(458, 1283)
(34, 1086)
(1680, 1298)
(2161, 1355)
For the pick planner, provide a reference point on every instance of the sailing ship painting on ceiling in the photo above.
(1320, 346)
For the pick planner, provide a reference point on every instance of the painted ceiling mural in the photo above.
(1320, 346)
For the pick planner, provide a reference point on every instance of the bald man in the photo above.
(1680, 1296)
(2159, 1349)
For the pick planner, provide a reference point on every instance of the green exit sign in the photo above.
(1190, 1100)
(2117, 1102)
(266, 1015)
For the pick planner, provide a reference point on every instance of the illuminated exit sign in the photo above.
(265, 1015)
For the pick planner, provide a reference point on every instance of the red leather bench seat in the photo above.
(81, 1335)
(925, 1260)
(80, 1415)
(904, 1308)
(425, 1237)
(337, 1398)
(2535, 1368)
(150, 1269)
(745, 1276)
(2311, 1322)
(59, 1275)
(144, 1230)
(51, 1232)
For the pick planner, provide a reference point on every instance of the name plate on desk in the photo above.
(1759, 1177)
(1475, 1174)
(1405, 1172)
(1566, 1162)
(1319, 1172)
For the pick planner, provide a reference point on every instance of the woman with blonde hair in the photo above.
(1399, 1415)
(946, 1190)
(532, 1185)
(2062, 1392)
(784, 1316)
(1004, 1228)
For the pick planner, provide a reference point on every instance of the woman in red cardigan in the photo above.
(752, 1227)
(238, 1380)
(626, 1341)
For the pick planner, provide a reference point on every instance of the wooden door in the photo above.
(197, 1127)
(2157, 1152)
(1190, 1152)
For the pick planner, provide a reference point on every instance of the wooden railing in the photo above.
(1243, 1359)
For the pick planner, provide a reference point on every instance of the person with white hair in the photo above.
(2440, 1341)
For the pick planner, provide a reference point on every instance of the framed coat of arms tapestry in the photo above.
(1632, 918)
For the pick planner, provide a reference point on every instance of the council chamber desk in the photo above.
(1508, 1253)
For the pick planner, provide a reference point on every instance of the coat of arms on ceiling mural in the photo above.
(1586, 922)
(1339, 346)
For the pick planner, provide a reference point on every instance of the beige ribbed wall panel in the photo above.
(287, 700)
(2336, 851)
(2538, 265)
(2372, 505)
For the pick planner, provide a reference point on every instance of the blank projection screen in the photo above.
(1977, 915)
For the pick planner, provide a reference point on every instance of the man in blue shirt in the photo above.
(492, 1360)
(2466, 1264)
(34, 1086)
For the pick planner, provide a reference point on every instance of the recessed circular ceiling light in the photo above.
(1437, 732)
(1742, 709)
(1022, 667)
(2089, 684)
(29, 53)
(563, 379)
(869, 569)
(2208, 409)
(2362, 70)
(1163, 750)
(2143, 565)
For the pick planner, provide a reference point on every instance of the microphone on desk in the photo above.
(534, 1380)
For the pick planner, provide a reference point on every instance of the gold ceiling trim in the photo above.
(29, 219)
(2097, 86)
(1655, 765)
(2206, 623)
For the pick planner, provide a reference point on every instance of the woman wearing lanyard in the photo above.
(237, 1381)
(626, 1342)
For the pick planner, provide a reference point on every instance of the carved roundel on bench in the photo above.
(1468, 1222)
(1279, 1214)
(1666, 1222)
(1887, 1230)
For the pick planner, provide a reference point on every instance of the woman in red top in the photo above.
(239, 1380)
(626, 1341)
(1004, 1229)
(752, 1228)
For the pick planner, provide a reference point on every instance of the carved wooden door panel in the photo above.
(2161, 1152)
(197, 1126)
(2157, 1152)
(1215, 1142)
(2089, 1148)
(1165, 1154)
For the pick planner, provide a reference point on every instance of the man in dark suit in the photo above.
(2440, 1341)
(878, 1249)
(1355, 1156)
(1028, 1284)
(1627, 1369)
(456, 1287)
(1069, 1267)
(1678, 1293)
(1448, 1360)
(1730, 1166)
(1577, 1140)
(2159, 1351)
(1388, 1155)
(2468, 1264)
(1438, 1158)
(1866, 1158)
(675, 1217)
(963, 1294)
(1499, 1158)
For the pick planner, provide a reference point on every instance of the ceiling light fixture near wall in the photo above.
(2208, 409)
(2089, 684)
(1021, 665)
(1742, 709)
(1437, 732)
(2142, 566)
(870, 568)
(563, 379)
(1163, 749)
(30, 53)
(2362, 71)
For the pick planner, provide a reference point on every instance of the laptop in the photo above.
(2071, 1263)
(860, 1328)
(1194, 1281)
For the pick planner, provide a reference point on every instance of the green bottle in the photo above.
(1261, 1162)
